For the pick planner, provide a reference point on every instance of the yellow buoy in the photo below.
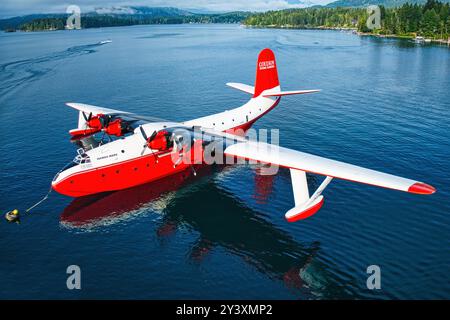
(12, 216)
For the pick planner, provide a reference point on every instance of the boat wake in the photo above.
(16, 73)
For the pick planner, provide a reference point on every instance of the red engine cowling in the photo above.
(161, 141)
(114, 128)
(95, 122)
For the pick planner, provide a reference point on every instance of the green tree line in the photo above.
(96, 21)
(431, 19)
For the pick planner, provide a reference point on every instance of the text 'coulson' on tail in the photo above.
(266, 82)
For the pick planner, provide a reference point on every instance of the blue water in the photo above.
(384, 104)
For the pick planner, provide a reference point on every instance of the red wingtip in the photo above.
(421, 188)
(307, 213)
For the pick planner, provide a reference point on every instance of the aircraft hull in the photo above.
(122, 175)
(144, 169)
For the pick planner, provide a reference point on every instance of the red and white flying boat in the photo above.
(144, 150)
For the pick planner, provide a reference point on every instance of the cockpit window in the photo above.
(81, 157)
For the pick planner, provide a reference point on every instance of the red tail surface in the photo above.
(266, 72)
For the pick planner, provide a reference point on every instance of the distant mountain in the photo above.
(365, 3)
(122, 11)
(141, 10)
(120, 16)
(14, 22)
(124, 15)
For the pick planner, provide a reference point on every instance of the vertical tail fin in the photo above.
(266, 72)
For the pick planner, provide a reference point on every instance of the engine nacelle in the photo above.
(161, 141)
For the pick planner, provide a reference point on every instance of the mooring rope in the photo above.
(48, 193)
(40, 201)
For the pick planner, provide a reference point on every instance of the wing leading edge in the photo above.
(95, 110)
(293, 159)
(87, 108)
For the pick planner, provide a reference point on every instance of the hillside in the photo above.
(15, 22)
(142, 10)
(119, 16)
(431, 20)
(365, 3)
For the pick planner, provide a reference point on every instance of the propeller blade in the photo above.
(103, 121)
(153, 136)
(178, 143)
(87, 119)
(106, 121)
(144, 135)
(143, 150)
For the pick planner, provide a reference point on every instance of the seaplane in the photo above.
(139, 149)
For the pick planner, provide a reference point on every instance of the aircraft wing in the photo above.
(297, 160)
(87, 109)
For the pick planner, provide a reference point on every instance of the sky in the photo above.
(9, 8)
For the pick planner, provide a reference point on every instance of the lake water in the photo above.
(385, 104)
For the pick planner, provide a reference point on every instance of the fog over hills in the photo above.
(365, 3)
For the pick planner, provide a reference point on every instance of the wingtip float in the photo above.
(135, 158)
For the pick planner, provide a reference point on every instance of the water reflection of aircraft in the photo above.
(107, 208)
(231, 225)
(263, 184)
(142, 150)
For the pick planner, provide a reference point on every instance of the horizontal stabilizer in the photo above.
(243, 87)
(287, 93)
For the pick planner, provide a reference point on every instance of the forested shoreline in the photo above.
(431, 20)
(98, 21)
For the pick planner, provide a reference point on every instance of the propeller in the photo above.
(147, 139)
(179, 144)
(183, 144)
(87, 118)
(101, 123)
(177, 141)
(105, 120)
